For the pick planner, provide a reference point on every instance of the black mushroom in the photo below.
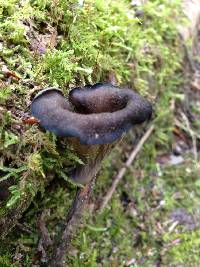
(92, 119)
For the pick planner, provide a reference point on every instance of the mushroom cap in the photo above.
(103, 112)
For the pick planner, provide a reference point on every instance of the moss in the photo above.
(66, 44)
(186, 251)
(6, 261)
(80, 44)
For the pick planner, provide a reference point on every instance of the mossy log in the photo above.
(10, 216)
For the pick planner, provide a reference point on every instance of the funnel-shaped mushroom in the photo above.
(103, 113)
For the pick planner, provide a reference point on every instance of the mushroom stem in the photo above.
(73, 218)
(92, 156)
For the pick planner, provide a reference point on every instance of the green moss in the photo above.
(6, 261)
(92, 41)
(186, 251)
(66, 44)
(4, 94)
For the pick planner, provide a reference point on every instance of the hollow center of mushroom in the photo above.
(98, 103)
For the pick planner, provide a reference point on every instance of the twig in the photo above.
(184, 128)
(192, 134)
(23, 227)
(123, 170)
(45, 240)
(70, 226)
(188, 55)
(45, 236)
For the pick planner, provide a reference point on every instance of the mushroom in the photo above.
(93, 119)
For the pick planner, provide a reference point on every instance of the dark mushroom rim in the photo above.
(102, 112)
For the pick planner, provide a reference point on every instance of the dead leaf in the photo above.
(30, 121)
(10, 73)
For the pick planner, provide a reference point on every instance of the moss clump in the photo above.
(6, 261)
(67, 43)
(70, 43)
(186, 252)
